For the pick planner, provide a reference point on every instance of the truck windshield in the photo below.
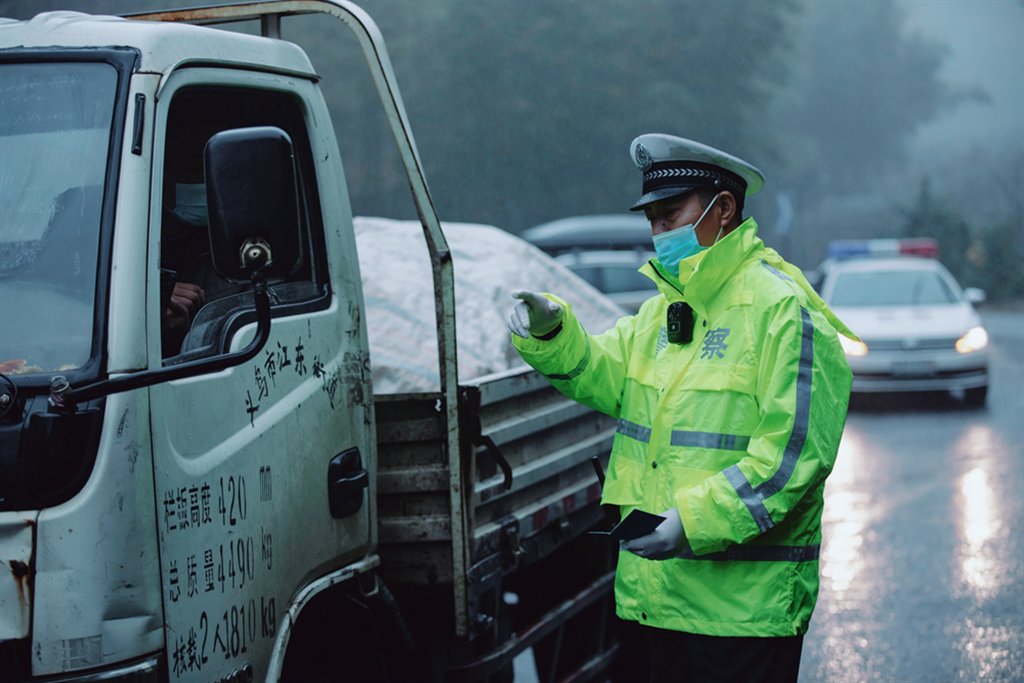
(55, 123)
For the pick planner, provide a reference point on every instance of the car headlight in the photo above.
(852, 347)
(974, 339)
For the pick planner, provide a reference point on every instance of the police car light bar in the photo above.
(925, 247)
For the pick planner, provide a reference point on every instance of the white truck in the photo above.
(234, 503)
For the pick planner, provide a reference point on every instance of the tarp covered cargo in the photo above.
(488, 264)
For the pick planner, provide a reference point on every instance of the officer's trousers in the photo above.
(662, 656)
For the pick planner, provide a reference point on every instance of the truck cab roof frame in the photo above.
(371, 42)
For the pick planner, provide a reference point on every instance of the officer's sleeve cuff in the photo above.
(690, 517)
(549, 335)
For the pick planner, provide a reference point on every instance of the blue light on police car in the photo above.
(925, 247)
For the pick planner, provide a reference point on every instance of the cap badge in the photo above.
(642, 158)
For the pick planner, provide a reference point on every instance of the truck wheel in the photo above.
(336, 640)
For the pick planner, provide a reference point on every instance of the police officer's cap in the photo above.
(672, 166)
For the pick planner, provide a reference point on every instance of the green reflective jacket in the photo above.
(737, 429)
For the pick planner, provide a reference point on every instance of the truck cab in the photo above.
(103, 132)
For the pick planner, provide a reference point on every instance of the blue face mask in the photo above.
(190, 203)
(680, 243)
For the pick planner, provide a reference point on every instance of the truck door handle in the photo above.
(346, 480)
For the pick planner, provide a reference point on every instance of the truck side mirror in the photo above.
(253, 199)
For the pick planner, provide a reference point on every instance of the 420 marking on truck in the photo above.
(188, 507)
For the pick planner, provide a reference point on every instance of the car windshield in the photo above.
(626, 279)
(612, 279)
(55, 122)
(891, 288)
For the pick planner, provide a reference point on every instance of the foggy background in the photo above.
(879, 118)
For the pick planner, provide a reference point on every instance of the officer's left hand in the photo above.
(665, 542)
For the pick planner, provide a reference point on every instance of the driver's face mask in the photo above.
(190, 204)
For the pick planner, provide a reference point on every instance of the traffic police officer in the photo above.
(730, 389)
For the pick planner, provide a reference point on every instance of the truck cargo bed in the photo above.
(528, 485)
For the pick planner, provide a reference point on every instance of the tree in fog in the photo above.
(524, 111)
(931, 217)
(860, 87)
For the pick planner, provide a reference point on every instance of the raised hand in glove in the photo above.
(534, 314)
(665, 542)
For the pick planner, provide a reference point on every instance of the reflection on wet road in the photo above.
(922, 561)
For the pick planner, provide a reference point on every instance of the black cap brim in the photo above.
(659, 194)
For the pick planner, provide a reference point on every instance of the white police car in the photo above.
(919, 329)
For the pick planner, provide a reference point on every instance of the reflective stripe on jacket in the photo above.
(737, 429)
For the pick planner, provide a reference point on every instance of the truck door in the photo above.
(260, 470)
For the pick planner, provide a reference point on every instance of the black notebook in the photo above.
(636, 524)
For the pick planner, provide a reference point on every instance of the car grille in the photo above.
(910, 344)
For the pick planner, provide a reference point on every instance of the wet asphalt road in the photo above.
(922, 566)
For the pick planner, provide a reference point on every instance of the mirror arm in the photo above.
(64, 399)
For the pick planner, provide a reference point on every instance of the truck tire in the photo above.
(342, 637)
